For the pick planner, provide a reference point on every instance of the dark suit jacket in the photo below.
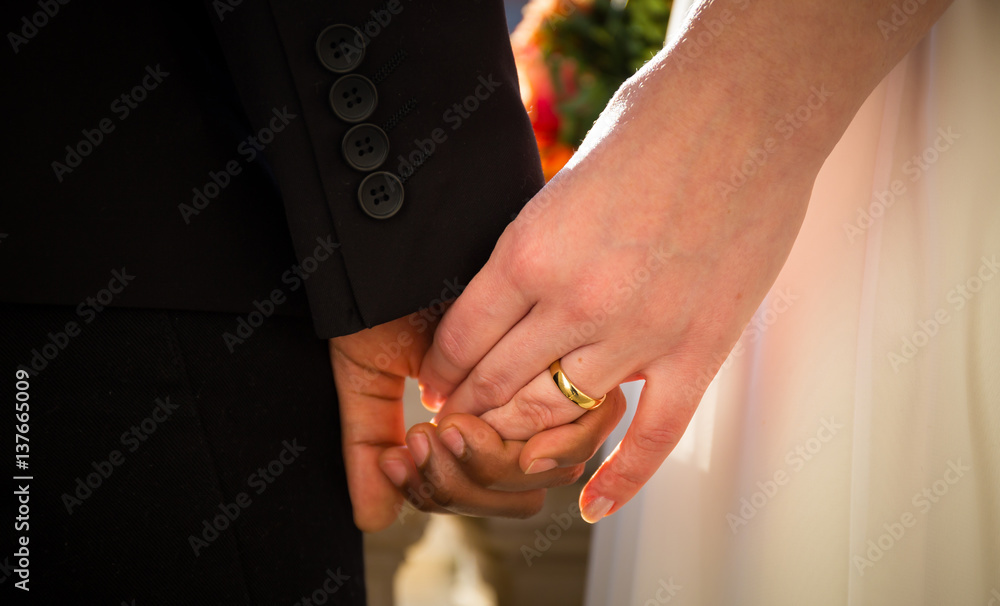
(185, 155)
(192, 148)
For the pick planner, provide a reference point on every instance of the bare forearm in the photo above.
(760, 60)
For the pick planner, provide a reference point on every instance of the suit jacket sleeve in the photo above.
(448, 100)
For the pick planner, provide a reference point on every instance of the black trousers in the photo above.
(168, 467)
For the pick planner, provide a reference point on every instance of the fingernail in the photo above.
(540, 465)
(452, 438)
(597, 509)
(395, 471)
(419, 447)
(430, 398)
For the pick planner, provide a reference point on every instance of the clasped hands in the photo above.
(505, 432)
(642, 258)
(628, 265)
(462, 465)
(658, 289)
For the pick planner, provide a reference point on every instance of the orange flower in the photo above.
(554, 157)
(538, 92)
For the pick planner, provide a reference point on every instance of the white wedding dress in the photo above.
(849, 451)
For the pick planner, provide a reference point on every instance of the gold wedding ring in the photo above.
(570, 391)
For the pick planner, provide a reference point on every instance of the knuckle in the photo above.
(645, 448)
(655, 440)
(453, 347)
(579, 311)
(488, 388)
(442, 496)
(440, 485)
(445, 500)
(524, 266)
(624, 474)
(536, 414)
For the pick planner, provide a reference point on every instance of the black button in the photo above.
(340, 48)
(365, 147)
(381, 195)
(353, 98)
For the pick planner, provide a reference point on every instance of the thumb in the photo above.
(660, 420)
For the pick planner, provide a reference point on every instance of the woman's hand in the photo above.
(648, 254)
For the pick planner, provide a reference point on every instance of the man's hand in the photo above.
(370, 368)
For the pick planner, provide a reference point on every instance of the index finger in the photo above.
(484, 312)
